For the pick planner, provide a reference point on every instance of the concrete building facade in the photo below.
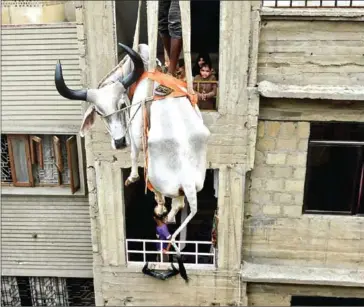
(286, 70)
(287, 76)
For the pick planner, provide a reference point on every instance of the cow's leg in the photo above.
(159, 209)
(191, 194)
(134, 175)
(177, 204)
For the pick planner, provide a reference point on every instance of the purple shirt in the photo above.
(162, 234)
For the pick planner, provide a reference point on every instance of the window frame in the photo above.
(36, 154)
(25, 138)
(356, 207)
(72, 142)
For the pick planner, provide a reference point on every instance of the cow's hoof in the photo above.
(131, 180)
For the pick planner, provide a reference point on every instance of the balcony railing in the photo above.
(195, 253)
(314, 3)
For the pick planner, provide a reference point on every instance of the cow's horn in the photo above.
(63, 89)
(138, 67)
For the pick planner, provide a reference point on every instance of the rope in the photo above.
(185, 8)
(135, 47)
(152, 13)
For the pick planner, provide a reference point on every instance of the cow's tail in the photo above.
(190, 192)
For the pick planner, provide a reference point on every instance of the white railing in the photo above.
(142, 254)
(314, 3)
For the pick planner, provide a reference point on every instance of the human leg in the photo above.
(175, 32)
(163, 11)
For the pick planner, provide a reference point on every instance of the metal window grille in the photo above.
(194, 253)
(46, 291)
(10, 294)
(32, 3)
(49, 291)
(314, 3)
(5, 161)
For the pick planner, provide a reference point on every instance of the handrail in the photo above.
(146, 252)
(313, 3)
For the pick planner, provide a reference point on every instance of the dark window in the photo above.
(335, 169)
(326, 301)
(139, 209)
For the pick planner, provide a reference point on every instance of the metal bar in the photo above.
(196, 252)
(306, 4)
(171, 253)
(167, 241)
(337, 142)
(360, 188)
(144, 252)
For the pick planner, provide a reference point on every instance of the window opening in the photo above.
(205, 32)
(40, 160)
(139, 208)
(335, 169)
(326, 301)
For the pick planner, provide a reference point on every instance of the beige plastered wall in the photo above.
(295, 253)
(37, 12)
(275, 230)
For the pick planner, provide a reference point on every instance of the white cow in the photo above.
(177, 141)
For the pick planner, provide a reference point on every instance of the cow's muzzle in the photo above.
(120, 143)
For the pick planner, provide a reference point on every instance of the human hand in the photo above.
(164, 251)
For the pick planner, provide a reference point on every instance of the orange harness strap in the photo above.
(167, 80)
(171, 82)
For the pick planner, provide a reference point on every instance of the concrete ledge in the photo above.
(273, 90)
(350, 14)
(263, 273)
(20, 270)
(41, 191)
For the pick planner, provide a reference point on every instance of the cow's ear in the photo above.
(88, 120)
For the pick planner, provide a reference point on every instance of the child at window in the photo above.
(202, 58)
(206, 91)
(162, 233)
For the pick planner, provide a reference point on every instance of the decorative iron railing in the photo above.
(46, 291)
(194, 253)
(314, 3)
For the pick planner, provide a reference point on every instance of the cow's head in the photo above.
(105, 101)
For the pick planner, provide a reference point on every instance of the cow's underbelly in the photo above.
(177, 147)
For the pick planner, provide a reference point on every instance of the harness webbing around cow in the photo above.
(178, 90)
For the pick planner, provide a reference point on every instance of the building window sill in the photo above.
(343, 14)
(41, 191)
